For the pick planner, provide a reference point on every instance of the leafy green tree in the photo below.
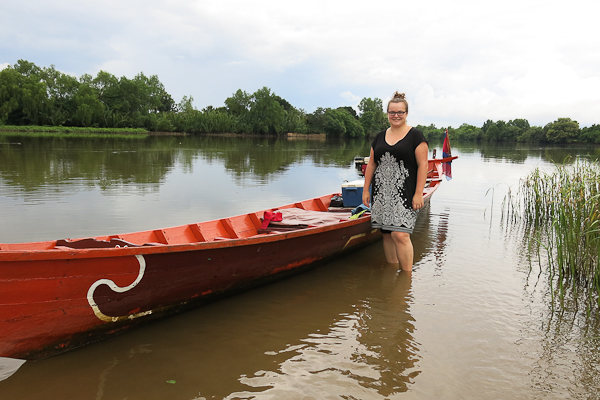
(107, 89)
(590, 134)
(468, 132)
(239, 104)
(145, 94)
(494, 131)
(367, 121)
(368, 104)
(333, 123)
(61, 89)
(316, 121)
(350, 110)
(131, 101)
(23, 95)
(160, 100)
(563, 130)
(372, 118)
(295, 121)
(184, 119)
(431, 132)
(185, 105)
(534, 134)
(501, 131)
(89, 108)
(340, 122)
(266, 113)
(283, 102)
(520, 123)
(486, 125)
(27, 69)
(514, 129)
(10, 96)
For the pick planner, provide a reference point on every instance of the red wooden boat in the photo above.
(57, 295)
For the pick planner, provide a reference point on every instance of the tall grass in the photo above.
(71, 130)
(561, 215)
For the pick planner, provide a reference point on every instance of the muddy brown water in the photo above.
(473, 320)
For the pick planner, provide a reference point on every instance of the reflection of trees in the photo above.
(37, 162)
(262, 157)
(518, 152)
(30, 162)
(513, 152)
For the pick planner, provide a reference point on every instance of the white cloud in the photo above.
(350, 98)
(460, 61)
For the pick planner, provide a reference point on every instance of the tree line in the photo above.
(43, 96)
(563, 130)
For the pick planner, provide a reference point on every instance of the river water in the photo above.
(473, 321)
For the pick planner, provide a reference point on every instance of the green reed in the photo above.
(70, 130)
(561, 215)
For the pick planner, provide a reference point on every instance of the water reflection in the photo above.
(564, 331)
(32, 163)
(67, 187)
(440, 241)
(366, 353)
(568, 360)
(520, 152)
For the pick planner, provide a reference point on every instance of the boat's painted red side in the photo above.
(54, 297)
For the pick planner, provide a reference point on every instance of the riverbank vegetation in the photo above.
(560, 213)
(71, 129)
(44, 97)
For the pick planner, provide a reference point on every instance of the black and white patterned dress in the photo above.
(394, 182)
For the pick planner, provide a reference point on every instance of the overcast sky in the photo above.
(458, 61)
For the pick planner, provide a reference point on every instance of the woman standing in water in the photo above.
(397, 169)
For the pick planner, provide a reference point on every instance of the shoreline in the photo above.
(138, 131)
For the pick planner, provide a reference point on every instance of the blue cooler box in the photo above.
(352, 193)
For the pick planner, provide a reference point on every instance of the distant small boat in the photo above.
(61, 294)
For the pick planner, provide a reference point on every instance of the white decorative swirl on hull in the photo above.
(113, 286)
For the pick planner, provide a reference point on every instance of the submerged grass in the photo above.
(34, 130)
(560, 212)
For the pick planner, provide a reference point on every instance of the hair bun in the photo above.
(398, 98)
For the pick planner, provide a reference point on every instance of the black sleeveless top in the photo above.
(395, 182)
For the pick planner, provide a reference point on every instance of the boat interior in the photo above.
(300, 215)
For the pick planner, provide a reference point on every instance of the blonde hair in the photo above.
(398, 98)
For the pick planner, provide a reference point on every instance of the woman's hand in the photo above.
(369, 172)
(366, 197)
(417, 202)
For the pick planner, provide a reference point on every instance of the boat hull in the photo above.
(52, 305)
